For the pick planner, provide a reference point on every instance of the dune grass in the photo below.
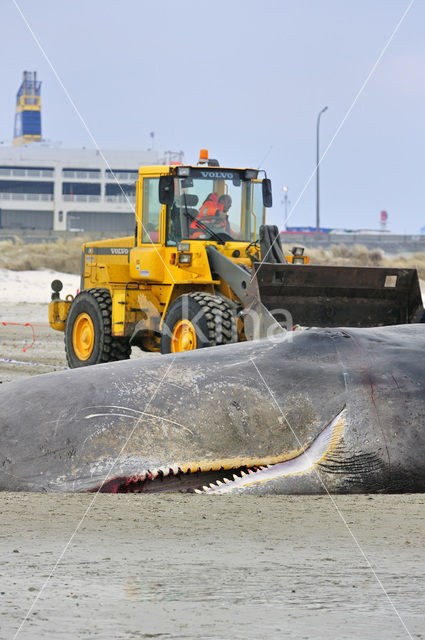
(359, 255)
(63, 255)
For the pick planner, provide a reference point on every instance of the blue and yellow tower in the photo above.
(28, 110)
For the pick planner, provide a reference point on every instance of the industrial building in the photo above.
(48, 188)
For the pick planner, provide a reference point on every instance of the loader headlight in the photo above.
(183, 246)
(297, 251)
(183, 172)
(185, 258)
(297, 260)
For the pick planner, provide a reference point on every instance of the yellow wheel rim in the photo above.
(183, 337)
(83, 336)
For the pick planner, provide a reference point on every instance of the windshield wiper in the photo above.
(202, 226)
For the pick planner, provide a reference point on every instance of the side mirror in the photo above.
(267, 193)
(166, 190)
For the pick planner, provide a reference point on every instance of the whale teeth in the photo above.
(243, 473)
(205, 488)
(213, 486)
(219, 483)
(269, 466)
(226, 480)
(251, 471)
(198, 491)
(235, 477)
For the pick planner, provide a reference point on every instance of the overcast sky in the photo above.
(246, 80)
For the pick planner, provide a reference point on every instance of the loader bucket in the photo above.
(330, 296)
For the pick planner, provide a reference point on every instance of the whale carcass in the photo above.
(316, 411)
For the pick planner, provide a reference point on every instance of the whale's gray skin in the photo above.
(338, 410)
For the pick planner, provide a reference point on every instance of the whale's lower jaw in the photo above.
(187, 479)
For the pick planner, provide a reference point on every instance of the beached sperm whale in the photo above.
(338, 410)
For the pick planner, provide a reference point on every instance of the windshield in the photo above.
(215, 205)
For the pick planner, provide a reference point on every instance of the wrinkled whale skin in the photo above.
(359, 393)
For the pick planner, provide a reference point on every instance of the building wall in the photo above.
(83, 221)
(42, 187)
(26, 219)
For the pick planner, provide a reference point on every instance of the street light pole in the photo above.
(317, 173)
(285, 200)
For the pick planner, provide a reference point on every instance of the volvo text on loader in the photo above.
(203, 269)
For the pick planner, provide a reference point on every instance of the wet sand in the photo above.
(212, 567)
(47, 354)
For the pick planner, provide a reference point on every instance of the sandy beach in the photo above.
(212, 568)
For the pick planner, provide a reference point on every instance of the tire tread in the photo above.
(213, 307)
(112, 349)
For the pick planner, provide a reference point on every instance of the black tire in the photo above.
(97, 304)
(212, 317)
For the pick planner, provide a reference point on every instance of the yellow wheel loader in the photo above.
(203, 269)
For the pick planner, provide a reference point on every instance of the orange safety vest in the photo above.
(209, 207)
(207, 214)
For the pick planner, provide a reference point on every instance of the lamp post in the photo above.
(317, 173)
(285, 201)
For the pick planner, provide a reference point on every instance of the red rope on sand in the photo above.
(26, 324)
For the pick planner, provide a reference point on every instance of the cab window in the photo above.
(151, 211)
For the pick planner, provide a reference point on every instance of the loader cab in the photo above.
(212, 203)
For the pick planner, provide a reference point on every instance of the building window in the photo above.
(24, 186)
(120, 192)
(25, 190)
(86, 188)
(60, 216)
(120, 189)
(81, 191)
